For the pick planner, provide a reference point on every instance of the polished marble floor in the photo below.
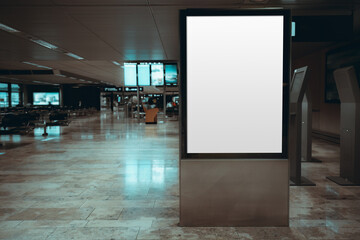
(109, 177)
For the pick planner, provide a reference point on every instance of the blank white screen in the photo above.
(234, 84)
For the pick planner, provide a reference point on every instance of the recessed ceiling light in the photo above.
(37, 65)
(116, 63)
(8, 29)
(44, 44)
(82, 80)
(73, 78)
(60, 75)
(74, 56)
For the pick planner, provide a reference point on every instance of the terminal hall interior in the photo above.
(180, 119)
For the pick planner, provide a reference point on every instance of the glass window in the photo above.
(15, 99)
(15, 88)
(4, 87)
(170, 74)
(144, 74)
(130, 74)
(157, 74)
(4, 99)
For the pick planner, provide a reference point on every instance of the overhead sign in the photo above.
(113, 89)
(133, 89)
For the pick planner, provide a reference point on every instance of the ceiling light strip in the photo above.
(8, 29)
(74, 56)
(39, 41)
(44, 44)
(37, 65)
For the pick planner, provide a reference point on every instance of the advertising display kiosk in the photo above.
(233, 151)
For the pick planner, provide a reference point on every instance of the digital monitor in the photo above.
(144, 75)
(157, 74)
(245, 53)
(171, 74)
(130, 74)
(46, 98)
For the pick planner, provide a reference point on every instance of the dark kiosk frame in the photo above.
(183, 86)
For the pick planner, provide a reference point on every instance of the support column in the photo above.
(138, 103)
(9, 95)
(164, 101)
(61, 93)
(25, 94)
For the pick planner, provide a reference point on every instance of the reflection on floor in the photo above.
(107, 177)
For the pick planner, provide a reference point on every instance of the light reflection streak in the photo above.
(144, 174)
(52, 130)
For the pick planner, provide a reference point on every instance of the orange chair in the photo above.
(150, 115)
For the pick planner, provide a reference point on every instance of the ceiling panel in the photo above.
(99, 70)
(167, 21)
(100, 2)
(55, 26)
(255, 3)
(102, 31)
(25, 2)
(313, 5)
(38, 79)
(15, 65)
(129, 30)
(172, 46)
(192, 2)
(14, 48)
(47, 79)
(114, 73)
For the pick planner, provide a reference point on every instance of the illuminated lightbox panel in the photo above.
(46, 98)
(234, 84)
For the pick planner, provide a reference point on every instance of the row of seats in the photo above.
(25, 119)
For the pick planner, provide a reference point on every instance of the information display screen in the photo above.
(144, 74)
(46, 98)
(171, 74)
(130, 74)
(157, 74)
(244, 54)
